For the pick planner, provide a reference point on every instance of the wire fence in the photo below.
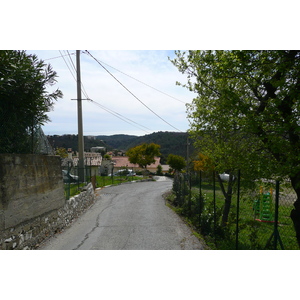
(15, 138)
(73, 185)
(258, 218)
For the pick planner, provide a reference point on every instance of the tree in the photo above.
(24, 98)
(62, 152)
(248, 100)
(176, 162)
(144, 154)
(205, 163)
(159, 170)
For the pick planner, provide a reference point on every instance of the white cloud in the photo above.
(151, 67)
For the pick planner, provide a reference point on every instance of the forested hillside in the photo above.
(170, 142)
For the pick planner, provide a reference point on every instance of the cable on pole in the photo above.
(131, 92)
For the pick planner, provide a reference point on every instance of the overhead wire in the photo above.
(74, 67)
(121, 117)
(142, 82)
(131, 92)
(59, 56)
(67, 65)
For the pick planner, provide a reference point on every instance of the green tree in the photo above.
(62, 152)
(248, 104)
(176, 162)
(159, 170)
(24, 100)
(144, 154)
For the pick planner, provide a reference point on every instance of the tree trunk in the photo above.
(226, 210)
(295, 213)
(228, 197)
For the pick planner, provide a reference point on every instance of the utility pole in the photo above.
(80, 127)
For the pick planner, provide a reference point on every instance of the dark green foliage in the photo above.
(24, 100)
(159, 170)
(170, 142)
(176, 162)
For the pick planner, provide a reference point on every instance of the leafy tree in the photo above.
(248, 104)
(107, 156)
(176, 162)
(62, 152)
(204, 163)
(24, 98)
(159, 170)
(144, 154)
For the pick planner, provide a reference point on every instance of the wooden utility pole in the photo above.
(80, 126)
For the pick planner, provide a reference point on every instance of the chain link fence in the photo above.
(258, 218)
(21, 139)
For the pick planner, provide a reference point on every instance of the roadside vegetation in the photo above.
(245, 230)
(244, 118)
(101, 181)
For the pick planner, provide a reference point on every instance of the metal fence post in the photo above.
(275, 233)
(237, 212)
(200, 197)
(69, 180)
(214, 197)
(189, 194)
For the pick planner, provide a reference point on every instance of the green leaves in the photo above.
(144, 154)
(176, 162)
(246, 111)
(24, 99)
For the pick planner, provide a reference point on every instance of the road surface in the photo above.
(129, 216)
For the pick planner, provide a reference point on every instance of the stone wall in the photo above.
(32, 202)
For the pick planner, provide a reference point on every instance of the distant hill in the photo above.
(170, 142)
(117, 141)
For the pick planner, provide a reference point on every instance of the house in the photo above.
(98, 149)
(165, 169)
(121, 162)
(92, 162)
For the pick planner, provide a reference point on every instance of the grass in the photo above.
(108, 180)
(101, 181)
(252, 234)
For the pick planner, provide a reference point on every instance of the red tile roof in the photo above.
(122, 161)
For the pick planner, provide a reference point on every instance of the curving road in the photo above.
(128, 216)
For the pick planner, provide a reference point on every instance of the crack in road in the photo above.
(96, 225)
(129, 217)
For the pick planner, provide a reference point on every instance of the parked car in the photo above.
(124, 172)
(69, 177)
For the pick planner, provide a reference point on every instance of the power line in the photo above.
(131, 92)
(121, 117)
(67, 65)
(141, 82)
(74, 67)
(59, 56)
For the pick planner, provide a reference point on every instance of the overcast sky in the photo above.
(165, 100)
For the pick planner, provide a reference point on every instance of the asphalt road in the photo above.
(128, 216)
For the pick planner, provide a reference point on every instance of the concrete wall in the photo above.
(32, 201)
(30, 186)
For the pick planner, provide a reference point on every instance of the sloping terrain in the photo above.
(170, 142)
